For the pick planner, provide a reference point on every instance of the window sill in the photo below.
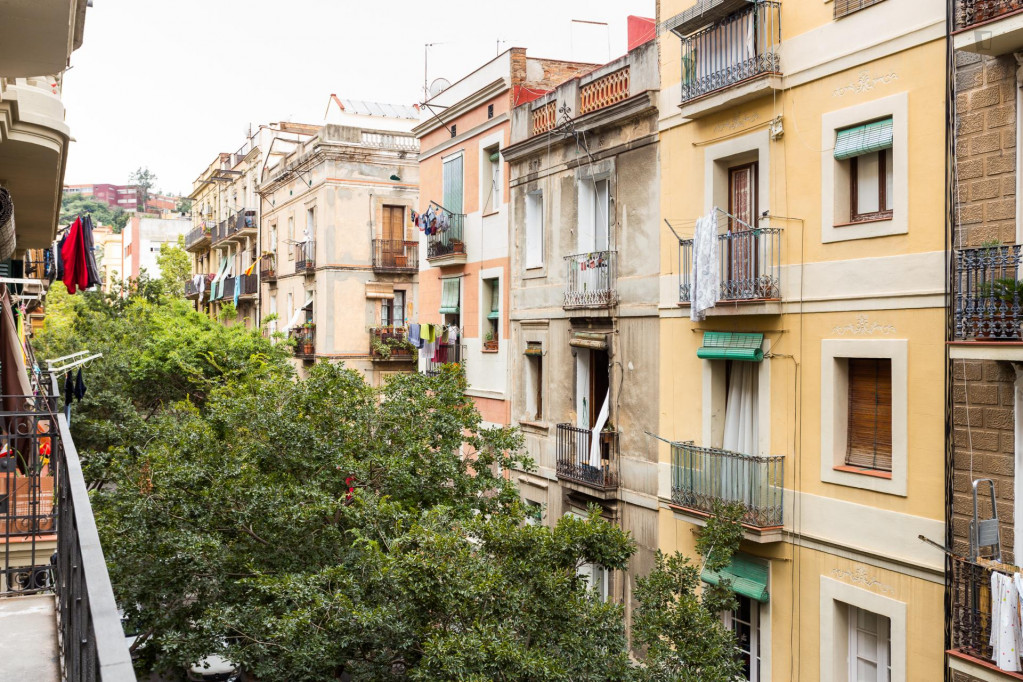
(866, 221)
(541, 427)
(487, 215)
(865, 472)
(492, 351)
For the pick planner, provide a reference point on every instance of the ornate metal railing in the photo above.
(447, 241)
(446, 354)
(544, 118)
(305, 256)
(988, 293)
(248, 285)
(971, 608)
(395, 255)
(971, 12)
(576, 462)
(741, 46)
(701, 477)
(390, 343)
(305, 341)
(604, 91)
(591, 280)
(197, 237)
(749, 264)
(268, 267)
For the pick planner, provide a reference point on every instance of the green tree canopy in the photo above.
(175, 267)
(73, 205)
(144, 179)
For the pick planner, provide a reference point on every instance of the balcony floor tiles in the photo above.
(32, 654)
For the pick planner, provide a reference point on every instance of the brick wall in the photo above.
(983, 417)
(986, 148)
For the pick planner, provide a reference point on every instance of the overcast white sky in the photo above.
(170, 84)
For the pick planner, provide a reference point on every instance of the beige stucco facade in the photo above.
(842, 289)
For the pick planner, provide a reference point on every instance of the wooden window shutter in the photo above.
(844, 7)
(869, 442)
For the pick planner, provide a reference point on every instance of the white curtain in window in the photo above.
(741, 409)
(597, 428)
(534, 230)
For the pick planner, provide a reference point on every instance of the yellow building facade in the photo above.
(813, 391)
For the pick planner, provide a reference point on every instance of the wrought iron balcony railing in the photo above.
(305, 256)
(228, 289)
(576, 462)
(741, 46)
(971, 607)
(44, 504)
(220, 232)
(988, 293)
(242, 221)
(395, 255)
(446, 354)
(268, 267)
(391, 343)
(701, 477)
(305, 340)
(197, 238)
(248, 285)
(591, 280)
(749, 264)
(971, 12)
(449, 240)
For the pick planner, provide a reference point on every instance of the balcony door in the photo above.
(591, 387)
(392, 248)
(741, 251)
(741, 431)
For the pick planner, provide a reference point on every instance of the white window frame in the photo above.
(756, 643)
(486, 278)
(884, 639)
(487, 168)
(534, 231)
(835, 599)
(835, 182)
(835, 411)
(596, 576)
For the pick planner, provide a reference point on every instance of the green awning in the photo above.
(746, 575)
(731, 346)
(495, 302)
(493, 315)
(495, 157)
(534, 348)
(449, 296)
(863, 139)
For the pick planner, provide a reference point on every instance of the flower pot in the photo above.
(490, 345)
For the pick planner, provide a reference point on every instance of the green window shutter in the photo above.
(495, 301)
(449, 296)
(746, 575)
(453, 184)
(864, 139)
(731, 346)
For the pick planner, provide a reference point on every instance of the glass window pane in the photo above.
(866, 672)
(867, 188)
(889, 181)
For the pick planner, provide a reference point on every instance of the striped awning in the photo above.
(864, 139)
(731, 346)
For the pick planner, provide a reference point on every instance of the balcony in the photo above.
(192, 291)
(248, 286)
(395, 256)
(227, 290)
(604, 91)
(55, 591)
(447, 246)
(268, 267)
(991, 27)
(702, 477)
(305, 341)
(198, 239)
(576, 462)
(305, 257)
(391, 344)
(219, 232)
(971, 617)
(591, 280)
(243, 225)
(543, 118)
(38, 37)
(749, 263)
(988, 297)
(727, 44)
(446, 354)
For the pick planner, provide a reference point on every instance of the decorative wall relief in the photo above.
(863, 326)
(865, 83)
(737, 121)
(859, 575)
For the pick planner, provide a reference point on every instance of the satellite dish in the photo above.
(438, 86)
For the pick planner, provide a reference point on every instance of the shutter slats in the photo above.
(844, 7)
(869, 442)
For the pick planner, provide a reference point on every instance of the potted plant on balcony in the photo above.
(457, 246)
(1002, 300)
(489, 342)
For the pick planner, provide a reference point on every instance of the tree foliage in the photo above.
(144, 179)
(73, 205)
(175, 267)
(184, 205)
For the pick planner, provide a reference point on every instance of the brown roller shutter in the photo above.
(844, 7)
(870, 414)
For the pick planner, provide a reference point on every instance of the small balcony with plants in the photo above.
(395, 255)
(580, 461)
(243, 224)
(198, 239)
(990, 27)
(268, 266)
(445, 238)
(702, 478)
(988, 293)
(391, 344)
(749, 266)
(305, 340)
(730, 52)
(445, 354)
(305, 257)
(591, 280)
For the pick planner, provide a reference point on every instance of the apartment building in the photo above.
(340, 254)
(464, 266)
(984, 493)
(143, 238)
(584, 274)
(801, 187)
